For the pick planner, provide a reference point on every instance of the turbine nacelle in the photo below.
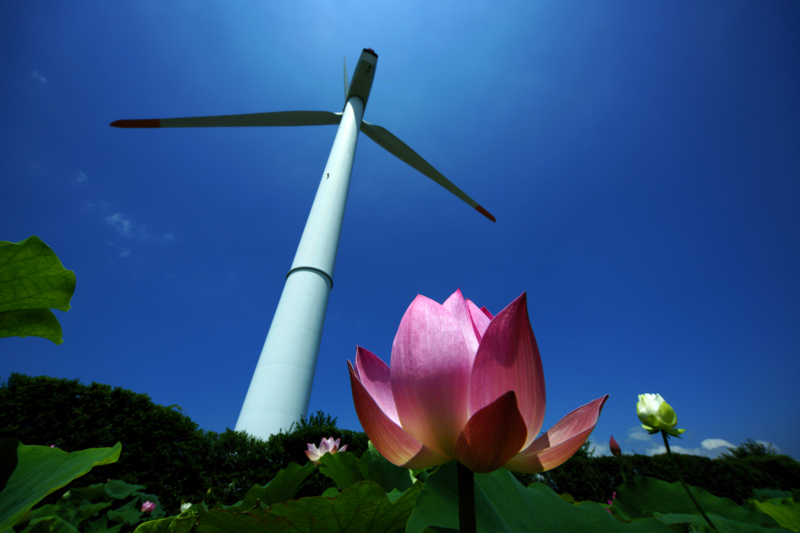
(362, 77)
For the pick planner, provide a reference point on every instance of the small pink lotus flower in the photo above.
(464, 385)
(615, 449)
(611, 501)
(148, 507)
(325, 446)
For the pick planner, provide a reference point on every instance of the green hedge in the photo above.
(596, 478)
(164, 450)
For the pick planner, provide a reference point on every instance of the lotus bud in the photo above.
(186, 506)
(657, 415)
(615, 450)
(148, 507)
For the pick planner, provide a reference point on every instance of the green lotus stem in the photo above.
(685, 486)
(466, 500)
(621, 471)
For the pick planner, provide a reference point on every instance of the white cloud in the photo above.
(120, 222)
(637, 433)
(601, 449)
(656, 450)
(768, 444)
(82, 177)
(710, 448)
(91, 207)
(124, 252)
(39, 77)
(126, 227)
(711, 444)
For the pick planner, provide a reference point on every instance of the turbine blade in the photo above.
(404, 153)
(346, 84)
(280, 118)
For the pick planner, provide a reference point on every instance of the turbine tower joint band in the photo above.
(292, 271)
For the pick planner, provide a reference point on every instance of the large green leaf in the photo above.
(8, 460)
(361, 508)
(101, 526)
(281, 488)
(504, 505)
(51, 524)
(102, 491)
(722, 524)
(645, 496)
(342, 468)
(182, 524)
(32, 281)
(374, 467)
(768, 494)
(31, 323)
(119, 490)
(41, 470)
(128, 514)
(69, 512)
(785, 511)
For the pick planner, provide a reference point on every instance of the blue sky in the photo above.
(642, 160)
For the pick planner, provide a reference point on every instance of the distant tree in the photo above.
(749, 448)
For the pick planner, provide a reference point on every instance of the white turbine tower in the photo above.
(281, 386)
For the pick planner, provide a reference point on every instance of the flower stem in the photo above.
(621, 471)
(685, 486)
(466, 500)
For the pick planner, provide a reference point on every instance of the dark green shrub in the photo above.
(162, 448)
(237, 461)
(747, 449)
(596, 478)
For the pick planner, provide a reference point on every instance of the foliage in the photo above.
(32, 281)
(371, 494)
(162, 448)
(374, 495)
(32, 472)
(589, 478)
(749, 448)
(165, 452)
(380, 500)
(236, 460)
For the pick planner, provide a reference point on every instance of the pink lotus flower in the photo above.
(614, 447)
(325, 446)
(464, 385)
(611, 501)
(148, 507)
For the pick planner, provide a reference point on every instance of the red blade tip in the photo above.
(143, 123)
(485, 213)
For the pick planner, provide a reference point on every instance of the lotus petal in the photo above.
(508, 360)
(431, 366)
(457, 306)
(480, 318)
(397, 446)
(374, 374)
(492, 436)
(560, 442)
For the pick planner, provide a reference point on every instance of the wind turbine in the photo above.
(281, 386)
